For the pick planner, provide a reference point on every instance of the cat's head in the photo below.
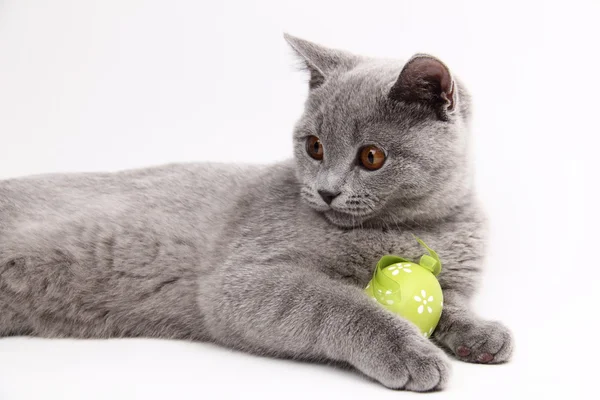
(380, 140)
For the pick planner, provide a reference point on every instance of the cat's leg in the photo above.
(12, 323)
(285, 310)
(12, 320)
(460, 331)
(469, 337)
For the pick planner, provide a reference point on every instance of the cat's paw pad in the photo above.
(484, 343)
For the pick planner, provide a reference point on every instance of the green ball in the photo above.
(409, 290)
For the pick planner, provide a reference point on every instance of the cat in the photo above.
(271, 259)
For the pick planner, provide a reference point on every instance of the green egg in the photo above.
(409, 289)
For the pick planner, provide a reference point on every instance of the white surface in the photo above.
(109, 85)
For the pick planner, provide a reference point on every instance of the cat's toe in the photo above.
(463, 351)
(484, 343)
(418, 367)
(427, 372)
(485, 358)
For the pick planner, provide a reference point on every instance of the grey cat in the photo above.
(271, 260)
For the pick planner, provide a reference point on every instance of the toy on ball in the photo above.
(409, 289)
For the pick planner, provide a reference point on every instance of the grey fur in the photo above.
(250, 257)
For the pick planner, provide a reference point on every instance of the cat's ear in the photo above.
(320, 61)
(427, 80)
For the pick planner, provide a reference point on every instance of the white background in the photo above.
(108, 85)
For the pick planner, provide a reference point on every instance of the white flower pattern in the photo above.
(396, 268)
(424, 300)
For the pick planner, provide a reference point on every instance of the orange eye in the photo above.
(314, 148)
(372, 157)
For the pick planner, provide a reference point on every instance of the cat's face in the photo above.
(378, 144)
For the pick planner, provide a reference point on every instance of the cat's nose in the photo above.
(327, 196)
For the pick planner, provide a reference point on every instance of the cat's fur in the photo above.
(251, 257)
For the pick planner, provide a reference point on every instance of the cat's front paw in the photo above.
(417, 366)
(484, 342)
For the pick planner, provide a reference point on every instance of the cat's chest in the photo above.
(352, 255)
(293, 233)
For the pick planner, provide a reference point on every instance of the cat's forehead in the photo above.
(355, 103)
(361, 86)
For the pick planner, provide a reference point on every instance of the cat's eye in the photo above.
(372, 157)
(314, 148)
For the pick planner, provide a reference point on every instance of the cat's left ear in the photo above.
(426, 80)
(319, 60)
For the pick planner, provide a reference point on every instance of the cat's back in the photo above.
(174, 189)
(183, 208)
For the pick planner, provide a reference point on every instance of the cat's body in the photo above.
(248, 257)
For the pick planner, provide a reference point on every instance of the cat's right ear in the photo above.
(320, 61)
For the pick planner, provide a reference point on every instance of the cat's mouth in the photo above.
(347, 219)
(349, 213)
(355, 211)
